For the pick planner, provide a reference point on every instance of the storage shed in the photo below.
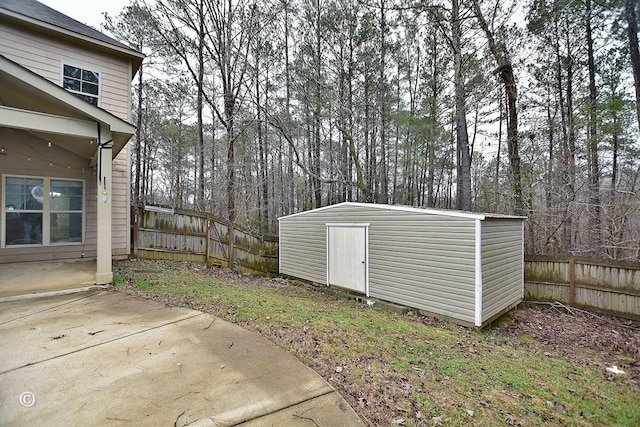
(465, 266)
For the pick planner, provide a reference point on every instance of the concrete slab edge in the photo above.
(284, 408)
(36, 295)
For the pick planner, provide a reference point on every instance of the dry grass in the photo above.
(412, 370)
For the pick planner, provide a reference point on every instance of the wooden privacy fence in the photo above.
(603, 285)
(194, 236)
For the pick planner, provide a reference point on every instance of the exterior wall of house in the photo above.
(19, 148)
(120, 221)
(421, 260)
(46, 56)
(502, 266)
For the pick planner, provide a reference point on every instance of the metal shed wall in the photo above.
(418, 259)
(303, 245)
(423, 261)
(502, 266)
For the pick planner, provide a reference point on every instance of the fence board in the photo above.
(602, 285)
(195, 236)
(608, 286)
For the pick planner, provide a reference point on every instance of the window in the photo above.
(66, 211)
(83, 83)
(23, 204)
(31, 218)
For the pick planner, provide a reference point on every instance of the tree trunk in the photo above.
(317, 188)
(291, 201)
(571, 144)
(505, 71)
(433, 114)
(231, 177)
(592, 142)
(496, 178)
(632, 33)
(382, 92)
(262, 150)
(200, 105)
(463, 183)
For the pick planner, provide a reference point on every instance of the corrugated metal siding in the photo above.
(46, 55)
(502, 265)
(420, 260)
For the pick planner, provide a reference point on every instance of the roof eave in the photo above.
(135, 56)
(441, 212)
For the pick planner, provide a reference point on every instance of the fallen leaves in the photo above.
(439, 379)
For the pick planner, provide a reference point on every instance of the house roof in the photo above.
(426, 211)
(37, 14)
(23, 90)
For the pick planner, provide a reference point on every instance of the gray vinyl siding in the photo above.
(502, 265)
(303, 249)
(421, 260)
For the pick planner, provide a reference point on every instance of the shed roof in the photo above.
(426, 211)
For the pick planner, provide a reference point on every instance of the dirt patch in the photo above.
(579, 335)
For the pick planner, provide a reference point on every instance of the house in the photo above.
(65, 110)
(464, 266)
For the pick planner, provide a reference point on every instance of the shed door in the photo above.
(347, 256)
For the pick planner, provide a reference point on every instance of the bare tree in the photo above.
(630, 7)
(229, 39)
(463, 180)
(505, 71)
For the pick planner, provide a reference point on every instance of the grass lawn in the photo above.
(408, 369)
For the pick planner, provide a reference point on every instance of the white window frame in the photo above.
(46, 212)
(79, 92)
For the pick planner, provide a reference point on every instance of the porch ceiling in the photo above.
(72, 134)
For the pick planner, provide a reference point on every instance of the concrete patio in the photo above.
(23, 280)
(101, 357)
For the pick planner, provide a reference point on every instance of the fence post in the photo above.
(135, 211)
(206, 244)
(572, 281)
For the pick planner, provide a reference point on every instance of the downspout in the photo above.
(107, 145)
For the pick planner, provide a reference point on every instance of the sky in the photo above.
(89, 11)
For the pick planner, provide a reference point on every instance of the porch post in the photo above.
(104, 274)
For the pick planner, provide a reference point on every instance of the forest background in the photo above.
(251, 110)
